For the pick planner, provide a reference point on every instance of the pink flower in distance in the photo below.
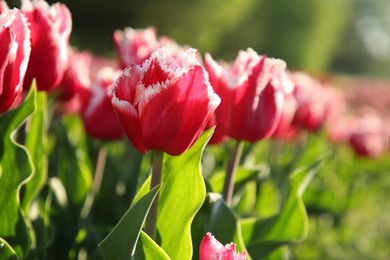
(211, 249)
(77, 74)
(3, 6)
(134, 46)
(165, 103)
(14, 56)
(369, 135)
(99, 118)
(50, 31)
(252, 91)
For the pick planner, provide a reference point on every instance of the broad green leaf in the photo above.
(182, 194)
(122, 241)
(36, 144)
(289, 225)
(148, 249)
(16, 169)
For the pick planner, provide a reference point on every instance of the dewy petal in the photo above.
(175, 117)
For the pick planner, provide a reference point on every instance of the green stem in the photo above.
(97, 181)
(231, 170)
(151, 219)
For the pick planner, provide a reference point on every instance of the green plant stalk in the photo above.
(231, 170)
(151, 219)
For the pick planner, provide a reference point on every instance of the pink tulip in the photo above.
(211, 249)
(165, 103)
(14, 56)
(50, 31)
(77, 74)
(369, 136)
(134, 46)
(99, 118)
(252, 91)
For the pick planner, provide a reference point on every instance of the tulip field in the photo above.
(164, 152)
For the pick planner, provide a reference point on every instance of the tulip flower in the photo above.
(252, 92)
(99, 118)
(50, 31)
(134, 46)
(165, 103)
(369, 136)
(14, 56)
(211, 249)
(76, 75)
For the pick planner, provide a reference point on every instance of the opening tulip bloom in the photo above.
(252, 92)
(211, 249)
(50, 31)
(165, 103)
(14, 56)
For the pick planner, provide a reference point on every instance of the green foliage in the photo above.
(15, 170)
(122, 241)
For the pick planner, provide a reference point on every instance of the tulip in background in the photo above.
(14, 56)
(99, 118)
(369, 135)
(165, 103)
(134, 46)
(252, 91)
(211, 249)
(50, 31)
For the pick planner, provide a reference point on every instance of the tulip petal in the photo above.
(162, 115)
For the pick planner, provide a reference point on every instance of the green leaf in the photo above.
(15, 169)
(36, 144)
(289, 225)
(122, 240)
(182, 194)
(6, 251)
(243, 176)
(148, 249)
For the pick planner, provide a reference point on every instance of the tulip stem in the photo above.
(151, 219)
(231, 170)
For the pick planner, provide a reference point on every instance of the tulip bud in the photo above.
(50, 31)
(211, 249)
(165, 103)
(14, 56)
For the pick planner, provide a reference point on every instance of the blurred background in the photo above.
(342, 36)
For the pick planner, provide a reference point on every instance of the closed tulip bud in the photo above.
(165, 103)
(50, 31)
(252, 91)
(14, 55)
(211, 249)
